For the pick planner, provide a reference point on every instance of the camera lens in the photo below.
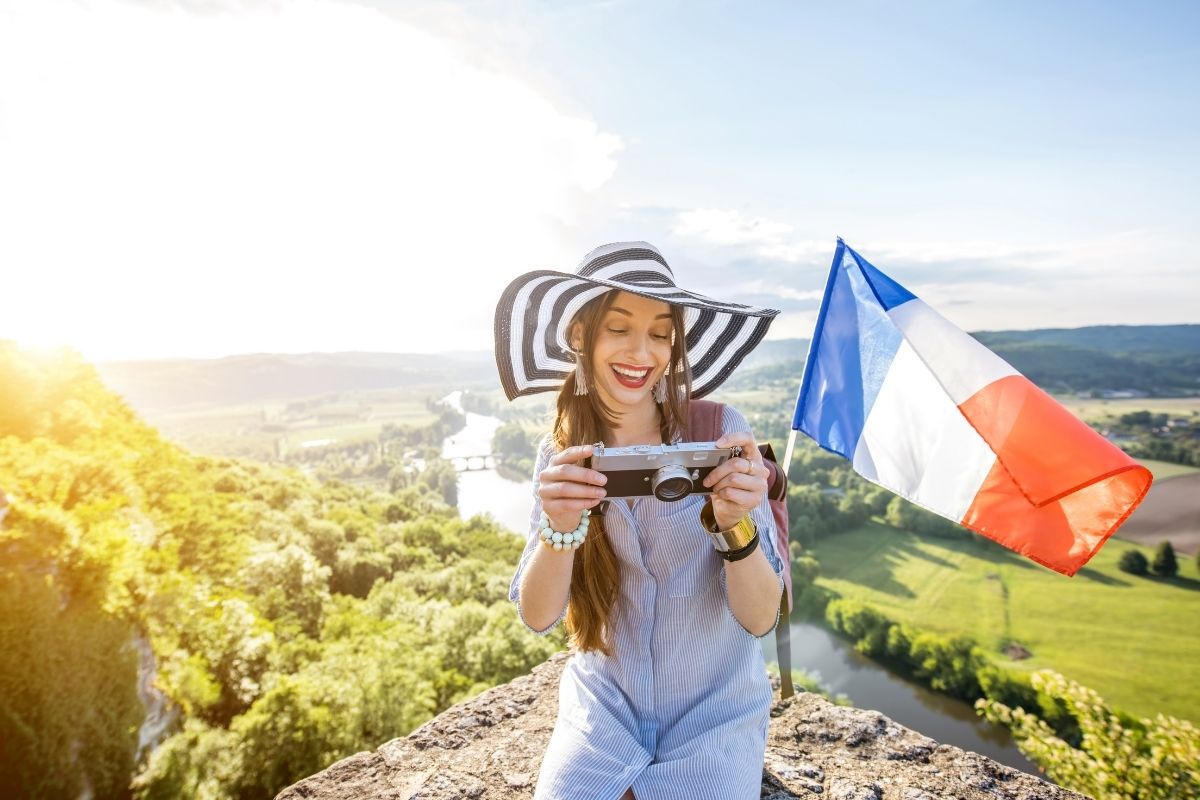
(671, 483)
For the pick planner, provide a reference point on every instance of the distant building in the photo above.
(1122, 394)
(341, 414)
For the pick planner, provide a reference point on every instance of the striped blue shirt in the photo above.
(681, 708)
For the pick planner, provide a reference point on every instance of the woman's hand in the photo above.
(566, 488)
(740, 484)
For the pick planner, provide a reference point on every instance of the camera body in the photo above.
(670, 472)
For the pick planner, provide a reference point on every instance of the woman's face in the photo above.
(632, 350)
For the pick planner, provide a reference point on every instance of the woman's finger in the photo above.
(562, 489)
(567, 505)
(571, 455)
(733, 466)
(729, 467)
(742, 439)
(744, 500)
(570, 472)
(741, 480)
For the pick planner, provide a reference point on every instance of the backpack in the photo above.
(704, 425)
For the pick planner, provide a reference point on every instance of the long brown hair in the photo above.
(586, 419)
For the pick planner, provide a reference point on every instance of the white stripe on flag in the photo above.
(961, 364)
(916, 441)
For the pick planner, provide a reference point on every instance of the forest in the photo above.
(277, 623)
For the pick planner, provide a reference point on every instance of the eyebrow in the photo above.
(630, 313)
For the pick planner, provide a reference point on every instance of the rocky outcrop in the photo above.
(489, 748)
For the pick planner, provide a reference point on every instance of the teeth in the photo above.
(628, 373)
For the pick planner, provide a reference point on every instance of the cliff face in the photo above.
(490, 748)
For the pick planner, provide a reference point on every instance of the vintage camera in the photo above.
(668, 471)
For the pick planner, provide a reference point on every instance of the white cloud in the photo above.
(1117, 278)
(310, 175)
(728, 227)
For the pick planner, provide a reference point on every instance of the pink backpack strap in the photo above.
(704, 421)
(704, 425)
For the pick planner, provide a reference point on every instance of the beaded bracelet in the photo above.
(557, 540)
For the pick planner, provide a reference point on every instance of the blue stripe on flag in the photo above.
(889, 293)
(852, 349)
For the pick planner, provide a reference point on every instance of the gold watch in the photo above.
(735, 538)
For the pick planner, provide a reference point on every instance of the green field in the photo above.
(769, 396)
(1162, 470)
(255, 430)
(1096, 410)
(1134, 640)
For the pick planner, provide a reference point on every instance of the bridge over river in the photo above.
(475, 463)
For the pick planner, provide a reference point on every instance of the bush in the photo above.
(910, 517)
(1165, 563)
(805, 568)
(1118, 757)
(1133, 562)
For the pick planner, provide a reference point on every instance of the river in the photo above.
(838, 666)
(484, 491)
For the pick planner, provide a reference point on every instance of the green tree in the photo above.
(510, 440)
(289, 585)
(911, 517)
(1118, 758)
(440, 476)
(1133, 562)
(807, 513)
(198, 762)
(1165, 563)
(516, 450)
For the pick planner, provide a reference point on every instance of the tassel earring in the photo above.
(580, 375)
(660, 390)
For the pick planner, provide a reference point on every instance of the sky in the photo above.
(202, 178)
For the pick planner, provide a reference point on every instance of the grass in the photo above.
(1134, 640)
(253, 430)
(1095, 410)
(1163, 470)
(769, 396)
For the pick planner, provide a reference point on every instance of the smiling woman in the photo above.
(666, 691)
(634, 341)
(632, 327)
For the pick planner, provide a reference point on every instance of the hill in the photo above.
(234, 380)
(1161, 360)
(1113, 339)
(1158, 360)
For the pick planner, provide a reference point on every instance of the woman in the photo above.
(666, 693)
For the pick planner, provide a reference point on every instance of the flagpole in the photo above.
(787, 454)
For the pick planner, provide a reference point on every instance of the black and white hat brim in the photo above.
(532, 352)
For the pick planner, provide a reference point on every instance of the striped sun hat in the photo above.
(536, 309)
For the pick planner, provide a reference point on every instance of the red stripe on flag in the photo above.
(1058, 489)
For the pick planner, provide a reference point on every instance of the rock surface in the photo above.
(490, 748)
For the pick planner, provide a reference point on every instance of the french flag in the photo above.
(923, 409)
